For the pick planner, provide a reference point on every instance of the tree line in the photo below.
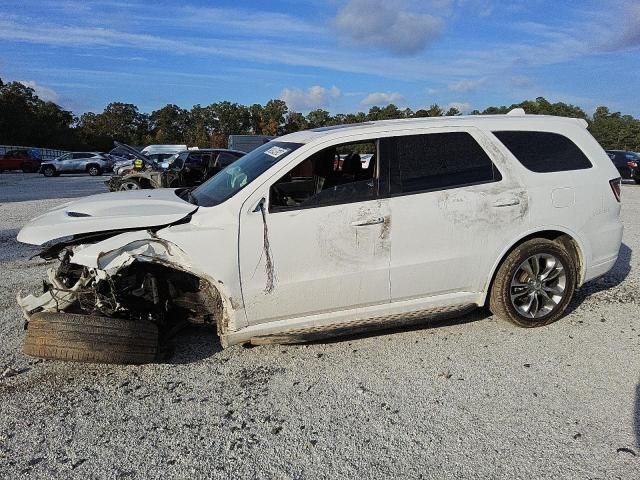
(25, 119)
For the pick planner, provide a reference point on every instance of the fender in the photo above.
(583, 251)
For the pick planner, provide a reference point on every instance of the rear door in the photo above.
(446, 196)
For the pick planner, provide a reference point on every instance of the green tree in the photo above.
(433, 111)
(295, 122)
(170, 124)
(274, 117)
(25, 119)
(319, 118)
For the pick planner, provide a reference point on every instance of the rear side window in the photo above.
(544, 152)
(436, 161)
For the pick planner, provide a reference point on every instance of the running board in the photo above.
(359, 327)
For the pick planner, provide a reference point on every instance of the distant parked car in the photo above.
(627, 163)
(93, 163)
(20, 159)
(186, 169)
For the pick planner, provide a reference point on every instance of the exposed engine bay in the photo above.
(135, 282)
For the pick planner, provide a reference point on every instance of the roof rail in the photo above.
(517, 112)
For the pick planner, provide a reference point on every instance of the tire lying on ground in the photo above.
(88, 338)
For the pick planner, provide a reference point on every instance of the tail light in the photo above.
(616, 186)
(632, 164)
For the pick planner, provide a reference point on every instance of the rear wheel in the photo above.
(534, 284)
(94, 170)
(88, 338)
(49, 171)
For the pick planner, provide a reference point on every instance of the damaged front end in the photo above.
(133, 276)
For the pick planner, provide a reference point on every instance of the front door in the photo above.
(320, 241)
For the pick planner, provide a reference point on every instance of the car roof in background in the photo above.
(205, 150)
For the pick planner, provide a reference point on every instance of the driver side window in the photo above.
(339, 174)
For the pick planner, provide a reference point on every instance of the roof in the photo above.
(516, 119)
(205, 150)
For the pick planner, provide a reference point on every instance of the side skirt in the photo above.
(354, 322)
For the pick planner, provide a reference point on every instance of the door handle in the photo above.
(506, 202)
(365, 223)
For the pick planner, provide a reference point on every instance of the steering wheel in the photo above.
(238, 177)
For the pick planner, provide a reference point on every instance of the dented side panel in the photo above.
(443, 240)
(313, 260)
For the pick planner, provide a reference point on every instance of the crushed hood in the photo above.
(105, 212)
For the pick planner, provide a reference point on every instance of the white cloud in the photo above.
(382, 98)
(521, 82)
(462, 107)
(315, 97)
(45, 93)
(631, 25)
(467, 85)
(387, 24)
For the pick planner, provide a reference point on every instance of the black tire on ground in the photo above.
(500, 302)
(88, 338)
(94, 170)
(49, 171)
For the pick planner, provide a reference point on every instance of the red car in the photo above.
(22, 159)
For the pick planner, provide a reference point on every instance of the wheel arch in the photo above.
(570, 240)
(214, 294)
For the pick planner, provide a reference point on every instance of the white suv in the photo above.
(298, 239)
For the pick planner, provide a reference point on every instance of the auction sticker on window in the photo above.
(276, 152)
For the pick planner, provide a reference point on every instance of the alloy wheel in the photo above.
(538, 285)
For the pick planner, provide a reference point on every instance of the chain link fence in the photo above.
(43, 153)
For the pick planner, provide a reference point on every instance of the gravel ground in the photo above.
(469, 398)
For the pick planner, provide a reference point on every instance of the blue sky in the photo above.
(341, 55)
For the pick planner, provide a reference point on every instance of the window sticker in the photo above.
(276, 152)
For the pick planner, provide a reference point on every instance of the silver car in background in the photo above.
(93, 163)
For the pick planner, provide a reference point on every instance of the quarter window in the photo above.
(436, 161)
(544, 152)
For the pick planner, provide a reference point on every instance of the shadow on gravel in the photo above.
(612, 279)
(193, 344)
(11, 250)
(427, 323)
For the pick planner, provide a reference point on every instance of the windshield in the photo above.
(176, 161)
(241, 173)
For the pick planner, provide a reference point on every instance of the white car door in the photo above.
(319, 244)
(450, 205)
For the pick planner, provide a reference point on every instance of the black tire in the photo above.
(500, 302)
(88, 338)
(129, 185)
(49, 171)
(94, 170)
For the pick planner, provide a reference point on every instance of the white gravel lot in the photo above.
(469, 398)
